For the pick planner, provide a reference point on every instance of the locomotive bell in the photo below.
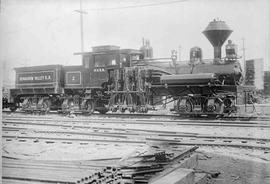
(217, 33)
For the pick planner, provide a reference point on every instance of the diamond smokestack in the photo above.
(217, 33)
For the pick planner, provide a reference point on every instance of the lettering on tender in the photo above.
(35, 77)
(26, 78)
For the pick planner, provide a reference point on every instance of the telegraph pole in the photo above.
(81, 12)
(244, 55)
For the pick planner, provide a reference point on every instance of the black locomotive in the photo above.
(114, 79)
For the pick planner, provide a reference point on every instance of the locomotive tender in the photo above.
(114, 79)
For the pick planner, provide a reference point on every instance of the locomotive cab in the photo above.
(105, 65)
(105, 59)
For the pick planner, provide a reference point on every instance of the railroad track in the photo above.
(219, 142)
(85, 132)
(153, 115)
(125, 133)
(158, 122)
(155, 131)
(72, 135)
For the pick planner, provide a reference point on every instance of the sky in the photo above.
(41, 32)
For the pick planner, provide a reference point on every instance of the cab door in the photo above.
(100, 64)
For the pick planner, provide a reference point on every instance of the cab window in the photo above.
(105, 60)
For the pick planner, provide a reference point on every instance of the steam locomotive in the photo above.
(114, 79)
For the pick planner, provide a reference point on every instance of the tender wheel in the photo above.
(215, 106)
(138, 109)
(188, 106)
(219, 107)
(184, 105)
(113, 108)
(131, 109)
(228, 102)
(122, 109)
(46, 106)
(144, 109)
(90, 106)
(229, 106)
(26, 104)
(13, 109)
(103, 111)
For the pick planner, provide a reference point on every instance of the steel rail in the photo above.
(150, 115)
(126, 135)
(146, 122)
(122, 131)
(35, 180)
(135, 132)
(36, 118)
(146, 141)
(127, 138)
